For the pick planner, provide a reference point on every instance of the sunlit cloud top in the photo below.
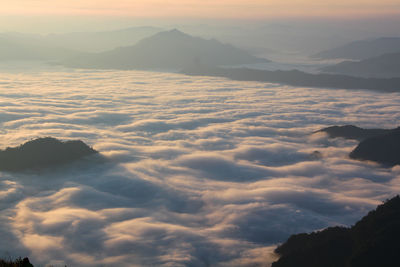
(204, 8)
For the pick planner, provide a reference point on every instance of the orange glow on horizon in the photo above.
(256, 9)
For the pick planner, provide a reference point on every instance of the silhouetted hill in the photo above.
(42, 153)
(371, 242)
(172, 50)
(383, 148)
(15, 263)
(354, 132)
(12, 50)
(297, 78)
(384, 66)
(362, 49)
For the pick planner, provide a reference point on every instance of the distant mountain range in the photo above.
(150, 48)
(14, 50)
(101, 41)
(373, 241)
(59, 47)
(84, 41)
(297, 78)
(383, 66)
(362, 49)
(170, 50)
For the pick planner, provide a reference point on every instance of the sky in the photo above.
(249, 9)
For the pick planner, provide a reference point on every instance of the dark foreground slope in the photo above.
(373, 241)
(384, 149)
(297, 78)
(354, 132)
(42, 153)
(15, 263)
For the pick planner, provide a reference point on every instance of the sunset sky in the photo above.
(257, 9)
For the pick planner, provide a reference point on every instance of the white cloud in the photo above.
(208, 172)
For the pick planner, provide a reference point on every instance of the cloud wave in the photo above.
(206, 172)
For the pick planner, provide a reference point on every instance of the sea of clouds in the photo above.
(196, 171)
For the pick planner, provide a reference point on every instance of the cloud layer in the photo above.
(200, 171)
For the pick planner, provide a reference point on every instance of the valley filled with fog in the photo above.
(197, 171)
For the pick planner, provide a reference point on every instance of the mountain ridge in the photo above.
(362, 49)
(371, 242)
(297, 78)
(166, 50)
(383, 66)
(354, 132)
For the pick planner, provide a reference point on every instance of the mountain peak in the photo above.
(175, 30)
(170, 49)
(173, 33)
